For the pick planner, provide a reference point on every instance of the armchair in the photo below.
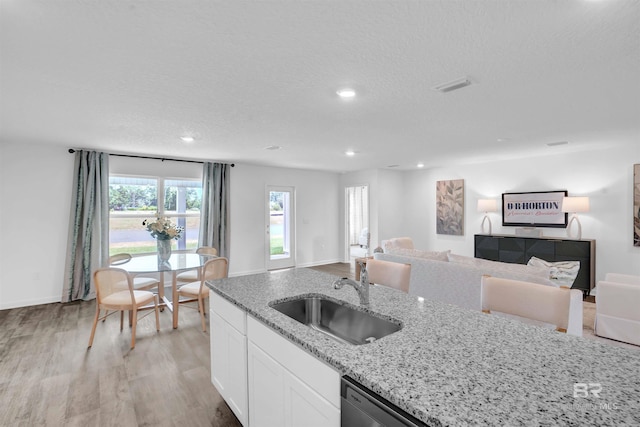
(618, 308)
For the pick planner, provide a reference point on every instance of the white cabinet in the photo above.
(266, 389)
(229, 354)
(265, 378)
(305, 407)
(287, 386)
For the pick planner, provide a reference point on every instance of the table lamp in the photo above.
(486, 206)
(575, 205)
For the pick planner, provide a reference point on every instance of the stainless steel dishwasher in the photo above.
(362, 408)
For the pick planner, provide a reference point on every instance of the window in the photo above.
(134, 199)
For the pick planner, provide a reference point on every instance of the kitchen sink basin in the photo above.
(338, 320)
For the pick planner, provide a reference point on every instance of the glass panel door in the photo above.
(280, 227)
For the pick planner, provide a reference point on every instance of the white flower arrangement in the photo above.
(163, 229)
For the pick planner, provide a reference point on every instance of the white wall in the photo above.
(35, 198)
(35, 195)
(391, 204)
(605, 176)
(317, 219)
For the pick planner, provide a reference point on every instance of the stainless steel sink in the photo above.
(340, 321)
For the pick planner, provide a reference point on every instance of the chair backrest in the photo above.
(118, 259)
(525, 299)
(207, 250)
(622, 278)
(393, 274)
(216, 268)
(110, 280)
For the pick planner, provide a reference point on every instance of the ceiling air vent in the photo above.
(453, 85)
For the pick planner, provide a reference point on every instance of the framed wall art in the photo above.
(534, 209)
(636, 205)
(450, 207)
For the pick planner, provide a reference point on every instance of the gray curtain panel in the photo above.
(88, 239)
(214, 216)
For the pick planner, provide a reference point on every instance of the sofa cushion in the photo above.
(563, 273)
(416, 253)
(397, 242)
(507, 267)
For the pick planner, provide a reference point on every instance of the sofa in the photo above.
(435, 277)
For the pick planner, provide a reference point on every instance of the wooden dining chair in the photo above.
(527, 300)
(139, 282)
(115, 291)
(194, 275)
(392, 274)
(215, 268)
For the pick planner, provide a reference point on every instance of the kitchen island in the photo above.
(450, 366)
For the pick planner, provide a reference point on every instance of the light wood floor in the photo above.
(49, 378)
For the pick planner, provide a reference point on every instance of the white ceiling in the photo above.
(134, 76)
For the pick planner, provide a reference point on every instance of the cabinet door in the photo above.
(237, 396)
(305, 407)
(219, 357)
(229, 365)
(266, 389)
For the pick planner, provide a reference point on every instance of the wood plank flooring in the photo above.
(49, 378)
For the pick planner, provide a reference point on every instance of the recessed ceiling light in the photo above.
(420, 165)
(273, 147)
(350, 153)
(346, 93)
(186, 138)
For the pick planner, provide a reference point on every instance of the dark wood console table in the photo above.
(518, 250)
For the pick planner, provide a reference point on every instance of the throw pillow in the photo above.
(563, 273)
(415, 253)
(507, 267)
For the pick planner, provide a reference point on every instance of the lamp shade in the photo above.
(575, 204)
(487, 205)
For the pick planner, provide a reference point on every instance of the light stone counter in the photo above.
(450, 366)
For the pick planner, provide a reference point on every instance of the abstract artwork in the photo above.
(636, 205)
(450, 207)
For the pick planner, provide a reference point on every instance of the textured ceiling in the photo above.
(134, 76)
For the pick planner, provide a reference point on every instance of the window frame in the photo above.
(160, 208)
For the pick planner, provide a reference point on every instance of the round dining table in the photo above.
(177, 263)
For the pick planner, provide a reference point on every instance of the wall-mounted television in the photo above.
(534, 209)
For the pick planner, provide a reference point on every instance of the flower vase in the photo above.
(164, 249)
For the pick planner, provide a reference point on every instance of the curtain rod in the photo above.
(71, 150)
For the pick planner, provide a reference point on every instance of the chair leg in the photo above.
(95, 323)
(134, 320)
(121, 319)
(201, 310)
(106, 313)
(155, 300)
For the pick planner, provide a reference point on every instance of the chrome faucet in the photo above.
(362, 288)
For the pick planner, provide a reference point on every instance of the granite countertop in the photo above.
(451, 366)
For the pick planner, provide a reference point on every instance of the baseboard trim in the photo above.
(29, 302)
